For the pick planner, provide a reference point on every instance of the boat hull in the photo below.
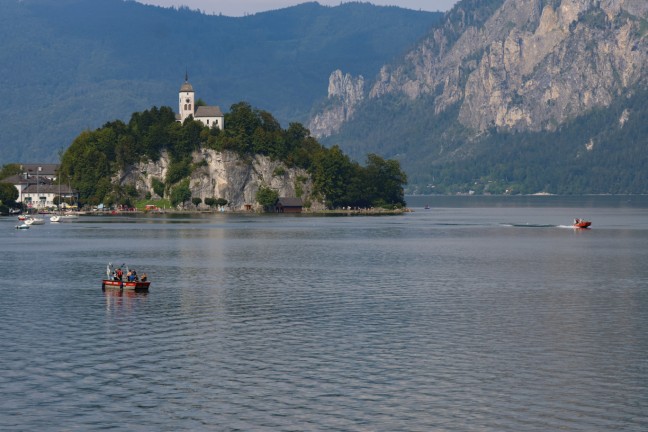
(125, 285)
(582, 224)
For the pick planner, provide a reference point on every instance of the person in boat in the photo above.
(144, 277)
(120, 274)
(134, 276)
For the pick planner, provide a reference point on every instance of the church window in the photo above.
(185, 107)
(207, 121)
(190, 106)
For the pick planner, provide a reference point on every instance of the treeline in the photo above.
(95, 157)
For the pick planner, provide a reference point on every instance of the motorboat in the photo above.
(34, 221)
(581, 223)
(22, 226)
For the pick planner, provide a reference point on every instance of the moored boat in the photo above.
(581, 223)
(22, 226)
(35, 221)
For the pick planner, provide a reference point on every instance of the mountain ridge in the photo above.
(497, 68)
(76, 64)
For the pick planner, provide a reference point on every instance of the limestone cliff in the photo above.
(521, 64)
(345, 93)
(227, 175)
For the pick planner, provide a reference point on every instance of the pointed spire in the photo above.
(186, 75)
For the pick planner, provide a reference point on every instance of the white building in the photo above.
(210, 116)
(38, 186)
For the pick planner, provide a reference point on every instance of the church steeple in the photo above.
(186, 103)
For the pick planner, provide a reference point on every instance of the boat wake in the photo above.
(528, 225)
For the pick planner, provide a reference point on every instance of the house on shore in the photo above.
(289, 205)
(38, 186)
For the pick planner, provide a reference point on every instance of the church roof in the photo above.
(186, 87)
(208, 111)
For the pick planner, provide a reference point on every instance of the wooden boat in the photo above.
(125, 285)
(580, 223)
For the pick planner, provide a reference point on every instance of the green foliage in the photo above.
(196, 201)
(96, 157)
(178, 170)
(211, 202)
(8, 194)
(9, 170)
(267, 197)
(180, 194)
(158, 186)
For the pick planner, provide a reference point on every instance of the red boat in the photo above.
(580, 223)
(125, 285)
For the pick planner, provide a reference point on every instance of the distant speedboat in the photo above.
(55, 218)
(22, 226)
(427, 207)
(581, 223)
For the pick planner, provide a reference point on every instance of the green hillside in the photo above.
(68, 65)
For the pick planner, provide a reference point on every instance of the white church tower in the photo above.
(186, 100)
(210, 116)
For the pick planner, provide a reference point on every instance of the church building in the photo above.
(210, 116)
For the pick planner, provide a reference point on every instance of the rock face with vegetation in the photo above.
(498, 67)
(224, 174)
(251, 163)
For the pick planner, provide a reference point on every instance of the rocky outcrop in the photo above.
(227, 175)
(524, 64)
(345, 93)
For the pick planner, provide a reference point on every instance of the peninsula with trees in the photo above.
(242, 160)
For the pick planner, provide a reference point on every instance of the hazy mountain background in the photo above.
(495, 96)
(70, 65)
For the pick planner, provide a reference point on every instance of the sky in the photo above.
(246, 7)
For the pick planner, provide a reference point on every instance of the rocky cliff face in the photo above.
(523, 64)
(226, 175)
(345, 93)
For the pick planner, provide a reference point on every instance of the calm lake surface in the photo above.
(480, 314)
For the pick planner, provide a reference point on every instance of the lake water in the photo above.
(480, 314)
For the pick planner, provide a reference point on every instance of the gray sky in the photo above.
(242, 7)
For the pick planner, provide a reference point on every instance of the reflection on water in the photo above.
(457, 318)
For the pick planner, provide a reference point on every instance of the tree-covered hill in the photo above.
(92, 163)
(67, 65)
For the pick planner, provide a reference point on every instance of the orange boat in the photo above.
(125, 285)
(580, 223)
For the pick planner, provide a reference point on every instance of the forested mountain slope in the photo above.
(70, 65)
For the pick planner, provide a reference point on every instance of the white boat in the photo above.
(69, 217)
(22, 226)
(35, 221)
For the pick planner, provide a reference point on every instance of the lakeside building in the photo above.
(210, 116)
(38, 186)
